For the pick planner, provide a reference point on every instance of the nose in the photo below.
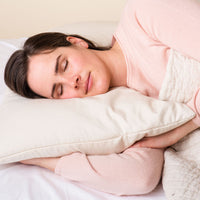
(74, 81)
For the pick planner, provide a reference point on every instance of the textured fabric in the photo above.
(182, 82)
(181, 176)
(182, 78)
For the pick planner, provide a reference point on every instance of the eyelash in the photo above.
(61, 86)
(60, 90)
(66, 64)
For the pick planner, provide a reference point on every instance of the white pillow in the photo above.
(7, 47)
(95, 125)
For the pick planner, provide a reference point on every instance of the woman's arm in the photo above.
(48, 163)
(169, 138)
(135, 171)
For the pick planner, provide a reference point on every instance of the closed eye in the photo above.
(60, 90)
(65, 65)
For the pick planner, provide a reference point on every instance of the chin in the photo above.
(97, 92)
(98, 89)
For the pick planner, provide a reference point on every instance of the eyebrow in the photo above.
(56, 71)
(57, 63)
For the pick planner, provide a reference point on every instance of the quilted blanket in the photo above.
(181, 174)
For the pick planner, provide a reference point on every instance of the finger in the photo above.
(146, 142)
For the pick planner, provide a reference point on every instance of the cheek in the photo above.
(102, 83)
(76, 64)
(70, 93)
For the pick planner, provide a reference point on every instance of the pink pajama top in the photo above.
(148, 29)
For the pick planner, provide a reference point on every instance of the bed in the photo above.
(23, 182)
(19, 181)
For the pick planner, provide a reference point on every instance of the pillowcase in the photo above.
(102, 124)
(95, 125)
(7, 47)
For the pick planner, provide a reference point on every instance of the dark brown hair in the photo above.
(15, 74)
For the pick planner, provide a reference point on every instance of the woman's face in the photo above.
(68, 72)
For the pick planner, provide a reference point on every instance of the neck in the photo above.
(115, 62)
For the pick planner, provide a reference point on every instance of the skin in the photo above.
(106, 68)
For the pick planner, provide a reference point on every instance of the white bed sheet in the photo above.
(21, 182)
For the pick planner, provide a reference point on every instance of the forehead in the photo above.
(40, 71)
(42, 58)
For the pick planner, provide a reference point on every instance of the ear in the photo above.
(77, 41)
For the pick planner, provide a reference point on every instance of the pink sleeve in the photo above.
(135, 171)
(174, 23)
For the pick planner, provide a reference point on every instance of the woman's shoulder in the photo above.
(143, 7)
(148, 5)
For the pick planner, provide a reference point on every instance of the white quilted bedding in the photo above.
(181, 175)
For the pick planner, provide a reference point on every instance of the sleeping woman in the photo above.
(59, 66)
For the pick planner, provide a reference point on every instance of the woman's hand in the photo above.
(167, 139)
(48, 163)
